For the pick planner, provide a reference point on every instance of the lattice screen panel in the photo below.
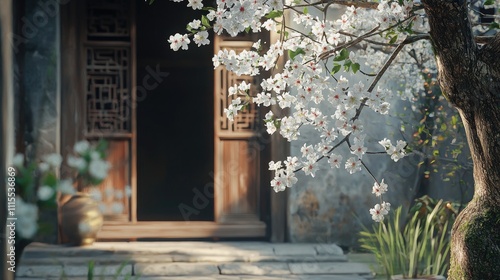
(247, 119)
(108, 60)
(110, 18)
(108, 91)
(108, 68)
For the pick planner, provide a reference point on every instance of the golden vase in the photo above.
(81, 219)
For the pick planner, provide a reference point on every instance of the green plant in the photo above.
(419, 247)
(37, 183)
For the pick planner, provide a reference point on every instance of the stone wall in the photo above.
(36, 50)
(36, 47)
(334, 205)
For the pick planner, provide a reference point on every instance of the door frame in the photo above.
(271, 224)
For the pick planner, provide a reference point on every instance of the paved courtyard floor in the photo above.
(191, 260)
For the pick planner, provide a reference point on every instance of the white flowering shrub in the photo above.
(36, 187)
(37, 182)
(323, 51)
(89, 163)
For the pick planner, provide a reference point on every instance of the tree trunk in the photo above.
(469, 76)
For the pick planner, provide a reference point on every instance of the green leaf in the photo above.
(336, 68)
(343, 55)
(50, 180)
(274, 14)
(443, 127)
(90, 271)
(151, 2)
(293, 54)
(494, 25)
(489, 2)
(355, 68)
(454, 120)
(306, 11)
(347, 65)
(205, 21)
(393, 39)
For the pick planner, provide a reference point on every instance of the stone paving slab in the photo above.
(70, 270)
(329, 249)
(329, 268)
(176, 269)
(254, 269)
(294, 249)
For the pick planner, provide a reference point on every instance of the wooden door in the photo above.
(99, 92)
(237, 147)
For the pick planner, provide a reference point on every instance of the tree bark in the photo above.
(469, 76)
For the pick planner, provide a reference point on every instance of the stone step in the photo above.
(144, 258)
(199, 269)
(241, 277)
(145, 252)
(191, 260)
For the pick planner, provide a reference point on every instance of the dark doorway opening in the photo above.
(175, 130)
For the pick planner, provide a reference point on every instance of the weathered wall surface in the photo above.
(36, 47)
(333, 206)
(36, 51)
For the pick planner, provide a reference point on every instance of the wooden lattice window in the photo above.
(108, 68)
(107, 56)
(247, 119)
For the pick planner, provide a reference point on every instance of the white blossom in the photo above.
(201, 38)
(27, 218)
(66, 186)
(18, 160)
(117, 208)
(99, 169)
(45, 192)
(81, 147)
(84, 227)
(379, 189)
(76, 162)
(54, 160)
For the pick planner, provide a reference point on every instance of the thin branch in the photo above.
(376, 153)
(348, 44)
(369, 171)
(357, 4)
(377, 78)
(373, 32)
(386, 65)
(367, 74)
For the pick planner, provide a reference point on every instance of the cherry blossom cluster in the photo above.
(231, 16)
(325, 53)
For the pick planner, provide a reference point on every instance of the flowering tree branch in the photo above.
(325, 55)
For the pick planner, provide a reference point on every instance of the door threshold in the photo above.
(181, 229)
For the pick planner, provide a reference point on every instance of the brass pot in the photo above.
(81, 219)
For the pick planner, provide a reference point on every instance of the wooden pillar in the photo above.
(6, 125)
